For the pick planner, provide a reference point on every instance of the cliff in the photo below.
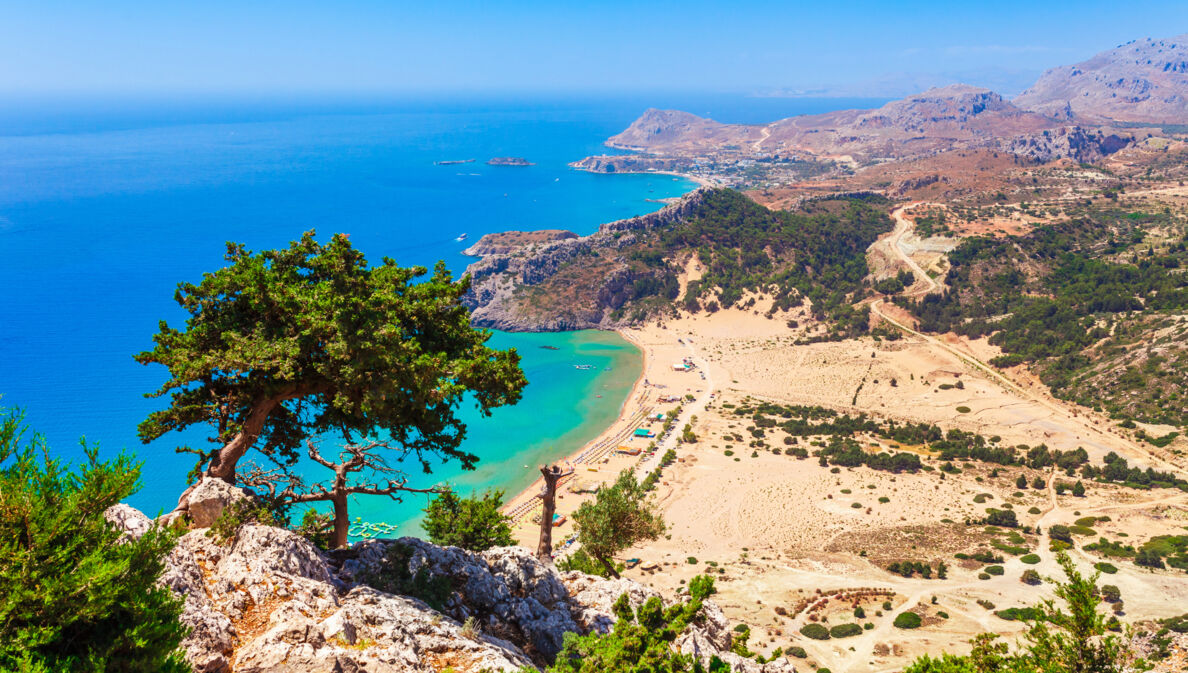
(1141, 81)
(269, 601)
(579, 296)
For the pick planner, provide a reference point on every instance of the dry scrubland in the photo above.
(777, 530)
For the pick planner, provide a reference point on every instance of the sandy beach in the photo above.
(776, 530)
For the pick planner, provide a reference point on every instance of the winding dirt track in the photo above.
(902, 227)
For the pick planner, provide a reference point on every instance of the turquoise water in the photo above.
(106, 205)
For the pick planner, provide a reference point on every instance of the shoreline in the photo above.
(529, 494)
(657, 390)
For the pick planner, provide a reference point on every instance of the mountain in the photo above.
(935, 120)
(1141, 81)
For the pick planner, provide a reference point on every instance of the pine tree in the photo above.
(74, 596)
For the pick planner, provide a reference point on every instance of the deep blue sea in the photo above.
(105, 205)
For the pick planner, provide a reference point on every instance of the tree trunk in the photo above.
(222, 465)
(544, 550)
(610, 567)
(342, 522)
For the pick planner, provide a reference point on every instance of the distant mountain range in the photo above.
(1070, 112)
(1141, 81)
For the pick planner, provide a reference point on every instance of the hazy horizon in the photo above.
(126, 48)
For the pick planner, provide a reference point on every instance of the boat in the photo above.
(461, 237)
(551, 348)
(451, 162)
(583, 366)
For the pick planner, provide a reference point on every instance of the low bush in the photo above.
(814, 631)
(1030, 559)
(845, 631)
(995, 570)
(907, 620)
(1106, 568)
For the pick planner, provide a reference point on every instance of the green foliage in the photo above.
(995, 570)
(73, 596)
(745, 246)
(238, 514)
(1049, 296)
(1030, 559)
(473, 523)
(394, 576)
(845, 631)
(318, 528)
(797, 651)
(814, 631)
(1030, 576)
(286, 344)
(907, 620)
(1107, 568)
(640, 640)
(619, 516)
(580, 561)
(1002, 517)
(1056, 641)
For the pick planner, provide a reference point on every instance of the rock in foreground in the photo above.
(270, 601)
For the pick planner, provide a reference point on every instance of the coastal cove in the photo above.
(101, 215)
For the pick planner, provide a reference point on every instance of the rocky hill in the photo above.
(1141, 81)
(555, 286)
(269, 601)
(935, 120)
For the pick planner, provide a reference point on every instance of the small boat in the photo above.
(461, 237)
(583, 366)
(551, 348)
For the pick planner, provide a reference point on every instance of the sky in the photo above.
(391, 46)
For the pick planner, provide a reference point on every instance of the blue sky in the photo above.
(294, 46)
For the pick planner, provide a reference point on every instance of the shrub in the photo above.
(963, 410)
(845, 631)
(473, 524)
(395, 577)
(1020, 614)
(814, 631)
(692, 560)
(886, 605)
(995, 570)
(1059, 532)
(1033, 510)
(73, 595)
(1002, 517)
(236, 515)
(1106, 568)
(856, 505)
(859, 613)
(1030, 559)
(1110, 593)
(983, 576)
(907, 620)
(1030, 576)
(581, 561)
(884, 500)
(797, 651)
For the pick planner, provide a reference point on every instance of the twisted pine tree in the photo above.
(284, 344)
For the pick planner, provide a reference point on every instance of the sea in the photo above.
(106, 204)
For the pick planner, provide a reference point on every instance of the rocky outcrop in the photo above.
(128, 519)
(507, 242)
(206, 501)
(269, 601)
(499, 282)
(1075, 142)
(1140, 81)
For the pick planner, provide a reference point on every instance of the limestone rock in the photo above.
(128, 519)
(269, 601)
(207, 500)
